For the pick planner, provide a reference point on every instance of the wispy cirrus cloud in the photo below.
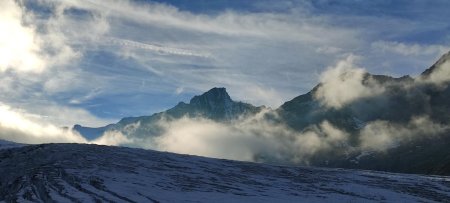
(407, 49)
(174, 39)
(153, 47)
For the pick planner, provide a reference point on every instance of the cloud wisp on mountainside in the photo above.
(345, 83)
(248, 139)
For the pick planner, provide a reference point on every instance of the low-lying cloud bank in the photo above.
(248, 139)
(381, 135)
(19, 126)
(257, 139)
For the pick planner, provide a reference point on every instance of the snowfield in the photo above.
(93, 173)
(7, 144)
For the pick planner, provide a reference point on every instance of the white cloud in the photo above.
(328, 50)
(20, 47)
(19, 126)
(343, 84)
(440, 75)
(381, 135)
(152, 47)
(28, 44)
(179, 90)
(39, 60)
(112, 138)
(249, 139)
(60, 115)
(412, 49)
(257, 94)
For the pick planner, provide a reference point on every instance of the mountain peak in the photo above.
(216, 95)
(444, 58)
(217, 104)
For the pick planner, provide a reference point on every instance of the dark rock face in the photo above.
(214, 104)
(213, 98)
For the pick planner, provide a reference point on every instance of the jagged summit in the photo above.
(444, 58)
(216, 95)
(217, 104)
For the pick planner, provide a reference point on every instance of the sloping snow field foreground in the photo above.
(7, 144)
(92, 173)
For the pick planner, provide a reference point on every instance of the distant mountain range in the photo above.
(214, 104)
(401, 101)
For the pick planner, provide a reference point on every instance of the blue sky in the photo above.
(94, 62)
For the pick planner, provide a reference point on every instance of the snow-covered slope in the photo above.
(7, 144)
(90, 173)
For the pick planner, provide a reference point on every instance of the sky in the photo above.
(93, 62)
